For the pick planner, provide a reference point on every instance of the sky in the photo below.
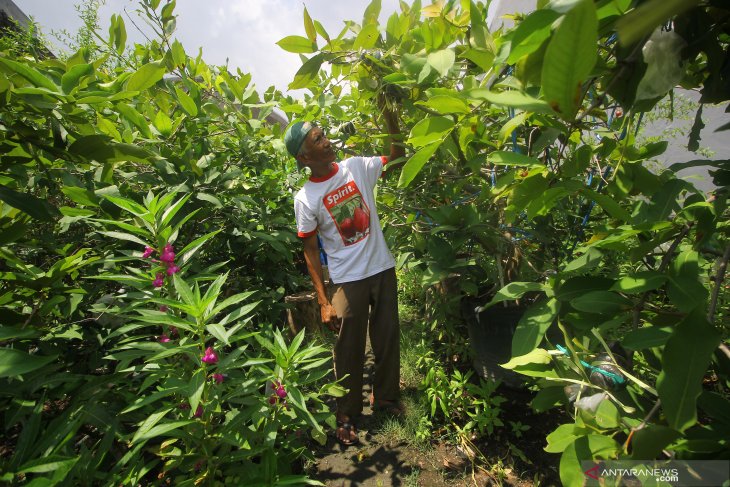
(243, 31)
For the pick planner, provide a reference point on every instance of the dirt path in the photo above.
(379, 462)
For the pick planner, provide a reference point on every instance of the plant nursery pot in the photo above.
(490, 338)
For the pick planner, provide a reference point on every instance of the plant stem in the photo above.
(719, 278)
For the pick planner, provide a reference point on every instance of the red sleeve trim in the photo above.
(306, 234)
(384, 159)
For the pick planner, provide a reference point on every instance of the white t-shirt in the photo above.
(341, 207)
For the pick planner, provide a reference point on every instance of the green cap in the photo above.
(294, 136)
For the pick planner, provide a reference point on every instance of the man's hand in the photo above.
(329, 317)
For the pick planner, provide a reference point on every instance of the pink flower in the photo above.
(198, 412)
(167, 257)
(164, 338)
(159, 280)
(273, 399)
(172, 270)
(184, 405)
(210, 357)
(281, 392)
(163, 308)
(168, 248)
(147, 252)
(218, 378)
(173, 331)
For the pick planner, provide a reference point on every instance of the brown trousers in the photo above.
(371, 301)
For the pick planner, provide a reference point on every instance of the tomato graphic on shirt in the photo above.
(349, 211)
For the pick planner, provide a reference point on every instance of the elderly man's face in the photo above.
(317, 148)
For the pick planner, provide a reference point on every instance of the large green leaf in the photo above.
(529, 34)
(308, 72)
(563, 436)
(684, 288)
(600, 302)
(71, 78)
(15, 363)
(37, 208)
(533, 325)
(589, 260)
(297, 44)
(649, 442)
(442, 60)
(640, 282)
(415, 164)
(30, 73)
(367, 37)
(645, 18)
(102, 149)
(570, 57)
(186, 102)
(684, 364)
(146, 76)
(515, 290)
(512, 99)
(446, 104)
(589, 447)
(646, 337)
(430, 130)
(509, 158)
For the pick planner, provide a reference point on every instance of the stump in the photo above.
(303, 312)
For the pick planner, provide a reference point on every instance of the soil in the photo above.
(506, 459)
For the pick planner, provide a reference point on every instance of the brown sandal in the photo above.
(348, 429)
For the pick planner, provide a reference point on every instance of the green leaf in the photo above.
(589, 447)
(195, 388)
(146, 76)
(547, 398)
(649, 15)
(297, 44)
(509, 158)
(530, 34)
(684, 363)
(308, 72)
(607, 415)
(608, 204)
(646, 337)
(71, 78)
(309, 27)
(184, 291)
(430, 130)
(640, 282)
(600, 302)
(178, 54)
(481, 57)
(563, 436)
(136, 118)
(102, 149)
(16, 332)
(30, 73)
(415, 164)
(186, 102)
(538, 356)
(124, 236)
(515, 290)
(15, 363)
(442, 61)
(367, 37)
(160, 430)
(81, 196)
(684, 288)
(446, 104)
(570, 57)
(589, 260)
(650, 441)
(372, 12)
(49, 464)
(163, 124)
(37, 208)
(533, 325)
(512, 99)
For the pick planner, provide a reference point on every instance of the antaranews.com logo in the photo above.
(671, 472)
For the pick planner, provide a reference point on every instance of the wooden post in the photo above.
(303, 312)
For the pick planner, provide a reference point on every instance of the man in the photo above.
(338, 203)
